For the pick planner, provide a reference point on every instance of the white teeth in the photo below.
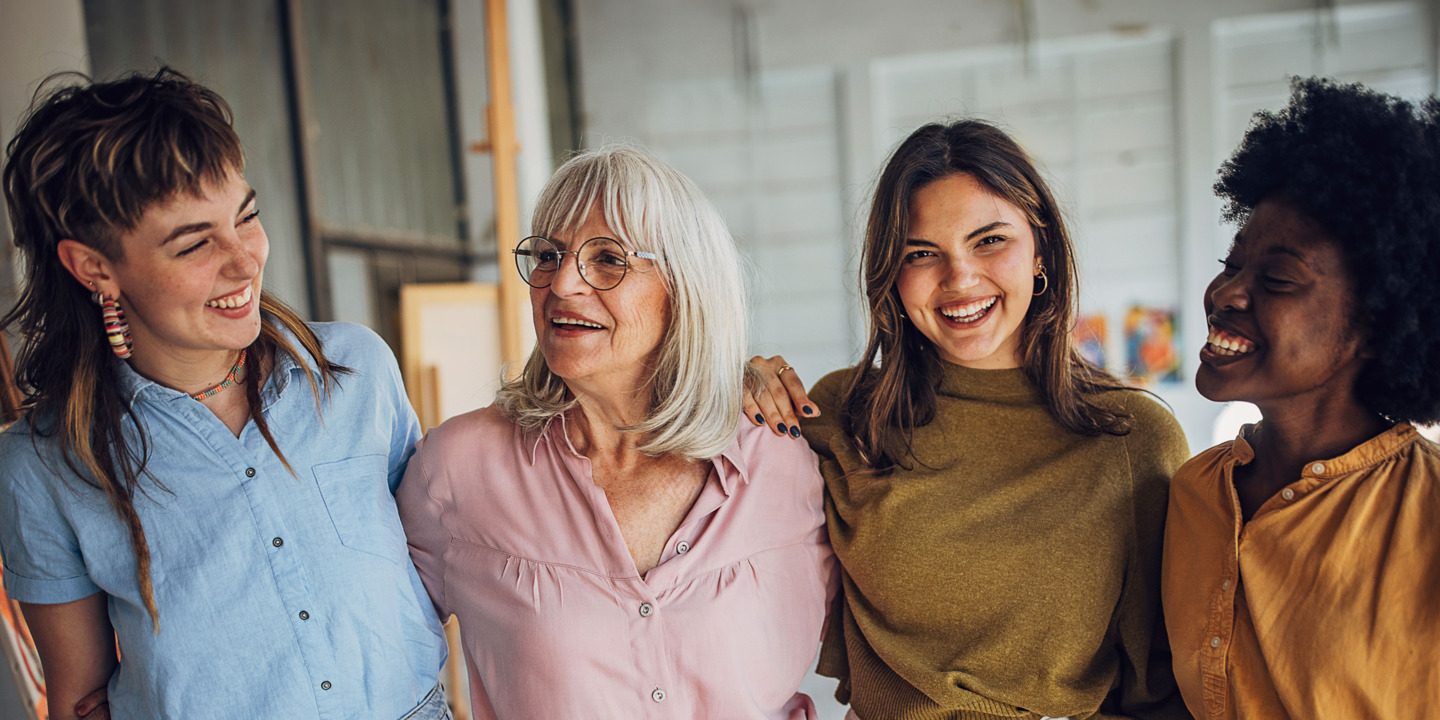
(1228, 346)
(968, 313)
(232, 301)
(576, 321)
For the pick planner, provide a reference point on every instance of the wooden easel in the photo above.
(513, 296)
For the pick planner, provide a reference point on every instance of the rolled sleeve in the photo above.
(41, 555)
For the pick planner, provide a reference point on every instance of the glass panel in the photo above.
(380, 122)
(352, 292)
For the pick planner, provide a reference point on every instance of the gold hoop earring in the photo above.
(1044, 283)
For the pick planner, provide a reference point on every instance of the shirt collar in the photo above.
(1367, 454)
(732, 467)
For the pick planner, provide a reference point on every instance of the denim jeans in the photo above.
(433, 707)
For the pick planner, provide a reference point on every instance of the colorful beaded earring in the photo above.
(117, 330)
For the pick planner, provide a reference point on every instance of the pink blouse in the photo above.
(510, 533)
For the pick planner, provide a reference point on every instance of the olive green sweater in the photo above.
(1013, 571)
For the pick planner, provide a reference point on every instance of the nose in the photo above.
(245, 255)
(959, 273)
(567, 280)
(1228, 293)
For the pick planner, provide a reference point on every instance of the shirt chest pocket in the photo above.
(357, 497)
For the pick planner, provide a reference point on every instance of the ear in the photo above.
(88, 266)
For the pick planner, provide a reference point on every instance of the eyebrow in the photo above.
(184, 230)
(1292, 252)
(973, 234)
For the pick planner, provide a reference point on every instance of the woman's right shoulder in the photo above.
(29, 459)
(469, 440)
(1204, 468)
(826, 392)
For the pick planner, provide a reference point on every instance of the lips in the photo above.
(570, 321)
(1224, 344)
(233, 300)
(968, 312)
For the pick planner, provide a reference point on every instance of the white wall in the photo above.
(641, 58)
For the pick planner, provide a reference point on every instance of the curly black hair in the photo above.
(1366, 166)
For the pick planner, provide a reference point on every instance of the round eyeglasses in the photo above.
(602, 262)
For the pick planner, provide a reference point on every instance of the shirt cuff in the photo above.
(48, 592)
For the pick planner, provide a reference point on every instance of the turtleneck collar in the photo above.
(969, 383)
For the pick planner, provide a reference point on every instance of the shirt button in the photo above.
(249, 472)
(682, 547)
(1225, 586)
(658, 695)
(646, 609)
(277, 542)
(1215, 641)
(325, 685)
(304, 615)
(1317, 468)
(1288, 494)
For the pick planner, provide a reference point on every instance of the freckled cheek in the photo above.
(1014, 273)
(915, 287)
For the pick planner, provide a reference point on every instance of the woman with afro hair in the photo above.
(1302, 558)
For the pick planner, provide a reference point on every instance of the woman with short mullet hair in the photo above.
(200, 478)
(995, 501)
(612, 541)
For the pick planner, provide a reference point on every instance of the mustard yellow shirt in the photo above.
(1326, 604)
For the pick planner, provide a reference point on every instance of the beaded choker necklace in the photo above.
(227, 382)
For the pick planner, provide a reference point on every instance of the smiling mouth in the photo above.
(232, 301)
(1227, 344)
(577, 322)
(969, 313)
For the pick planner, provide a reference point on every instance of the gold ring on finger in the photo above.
(782, 370)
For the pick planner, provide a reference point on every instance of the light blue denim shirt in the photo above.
(279, 596)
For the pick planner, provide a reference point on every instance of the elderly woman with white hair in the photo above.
(613, 541)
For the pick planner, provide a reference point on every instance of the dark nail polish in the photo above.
(759, 419)
(780, 427)
(808, 410)
(795, 431)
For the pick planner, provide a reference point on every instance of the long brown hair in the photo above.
(893, 390)
(87, 163)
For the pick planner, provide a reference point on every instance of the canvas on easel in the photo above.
(449, 348)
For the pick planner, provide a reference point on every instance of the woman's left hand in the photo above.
(775, 395)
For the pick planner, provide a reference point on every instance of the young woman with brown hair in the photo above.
(995, 501)
(199, 476)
